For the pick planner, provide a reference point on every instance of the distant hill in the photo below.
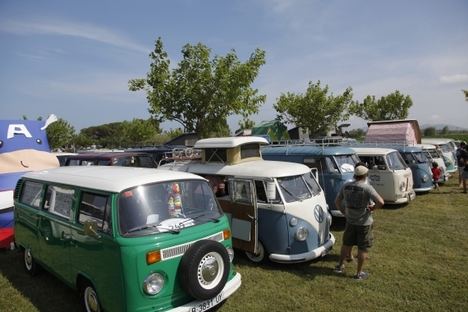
(441, 126)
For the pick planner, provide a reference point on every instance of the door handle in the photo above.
(251, 217)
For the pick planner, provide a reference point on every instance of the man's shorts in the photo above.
(360, 235)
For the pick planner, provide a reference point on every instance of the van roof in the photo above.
(437, 141)
(107, 178)
(229, 142)
(106, 155)
(256, 168)
(372, 150)
(307, 150)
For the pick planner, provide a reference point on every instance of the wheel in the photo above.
(204, 269)
(259, 257)
(29, 263)
(90, 298)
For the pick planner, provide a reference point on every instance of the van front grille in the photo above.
(176, 251)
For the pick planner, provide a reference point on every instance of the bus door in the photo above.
(241, 208)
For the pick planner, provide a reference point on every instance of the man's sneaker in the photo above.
(361, 275)
(339, 269)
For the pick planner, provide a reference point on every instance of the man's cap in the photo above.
(360, 171)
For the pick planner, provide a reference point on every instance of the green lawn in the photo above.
(418, 263)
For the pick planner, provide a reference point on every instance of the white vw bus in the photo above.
(388, 174)
(277, 209)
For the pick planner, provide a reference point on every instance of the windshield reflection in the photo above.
(166, 207)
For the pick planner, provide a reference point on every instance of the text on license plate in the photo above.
(207, 304)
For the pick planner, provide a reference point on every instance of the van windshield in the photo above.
(395, 162)
(166, 207)
(346, 163)
(414, 157)
(298, 188)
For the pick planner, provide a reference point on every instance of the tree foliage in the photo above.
(60, 134)
(390, 107)
(202, 91)
(137, 132)
(316, 109)
(430, 132)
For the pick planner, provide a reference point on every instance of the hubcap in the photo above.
(210, 270)
(28, 259)
(91, 301)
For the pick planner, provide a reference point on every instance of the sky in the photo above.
(74, 58)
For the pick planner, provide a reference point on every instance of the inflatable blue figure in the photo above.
(23, 147)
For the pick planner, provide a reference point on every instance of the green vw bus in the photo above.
(129, 239)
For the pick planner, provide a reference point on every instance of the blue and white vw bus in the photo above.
(448, 149)
(277, 210)
(418, 162)
(334, 165)
(434, 154)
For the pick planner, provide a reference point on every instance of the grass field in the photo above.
(418, 263)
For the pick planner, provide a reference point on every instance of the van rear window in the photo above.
(31, 194)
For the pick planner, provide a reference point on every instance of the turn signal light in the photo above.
(153, 257)
(226, 234)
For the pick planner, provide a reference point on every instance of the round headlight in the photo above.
(230, 253)
(153, 284)
(293, 221)
(301, 234)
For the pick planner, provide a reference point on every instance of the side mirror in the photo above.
(90, 229)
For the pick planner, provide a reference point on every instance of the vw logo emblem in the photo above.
(318, 214)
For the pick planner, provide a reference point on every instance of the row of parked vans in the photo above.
(143, 239)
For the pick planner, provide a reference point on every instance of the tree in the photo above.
(430, 132)
(316, 109)
(445, 130)
(201, 92)
(390, 107)
(139, 132)
(60, 134)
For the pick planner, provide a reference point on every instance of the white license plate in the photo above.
(207, 304)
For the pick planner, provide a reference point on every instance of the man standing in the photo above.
(356, 196)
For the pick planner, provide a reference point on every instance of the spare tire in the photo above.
(204, 269)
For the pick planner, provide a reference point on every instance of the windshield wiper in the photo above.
(151, 226)
(289, 192)
(203, 214)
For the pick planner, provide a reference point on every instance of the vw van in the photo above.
(418, 162)
(277, 210)
(125, 159)
(129, 239)
(388, 174)
(434, 154)
(448, 149)
(334, 165)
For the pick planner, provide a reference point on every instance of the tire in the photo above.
(204, 269)
(30, 265)
(259, 257)
(89, 298)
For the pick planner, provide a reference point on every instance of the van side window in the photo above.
(331, 165)
(242, 192)
(31, 194)
(59, 201)
(261, 194)
(250, 150)
(95, 207)
(215, 155)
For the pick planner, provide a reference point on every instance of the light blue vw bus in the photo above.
(277, 210)
(334, 165)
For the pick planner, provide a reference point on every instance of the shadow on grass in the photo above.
(44, 291)
(307, 270)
